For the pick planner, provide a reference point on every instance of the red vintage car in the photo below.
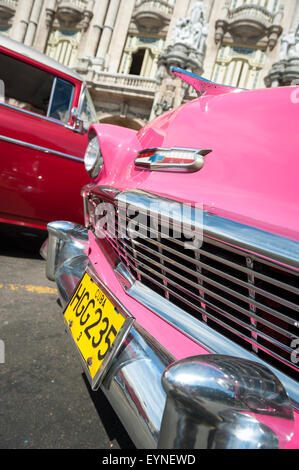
(45, 112)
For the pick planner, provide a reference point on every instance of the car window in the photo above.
(32, 89)
(61, 100)
(26, 87)
(87, 111)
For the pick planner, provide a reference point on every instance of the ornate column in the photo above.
(44, 25)
(107, 33)
(50, 12)
(34, 18)
(96, 28)
(21, 20)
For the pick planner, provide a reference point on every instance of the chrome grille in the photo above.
(245, 297)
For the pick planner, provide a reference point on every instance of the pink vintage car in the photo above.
(45, 112)
(181, 292)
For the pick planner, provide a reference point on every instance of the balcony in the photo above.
(70, 11)
(153, 14)
(251, 20)
(133, 85)
(7, 9)
(249, 23)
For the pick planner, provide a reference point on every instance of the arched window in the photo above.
(239, 66)
(63, 46)
(140, 56)
(137, 61)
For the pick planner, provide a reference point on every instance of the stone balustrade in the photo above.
(251, 12)
(124, 84)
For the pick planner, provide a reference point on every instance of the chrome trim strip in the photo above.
(41, 149)
(250, 239)
(70, 103)
(51, 96)
(36, 115)
(81, 99)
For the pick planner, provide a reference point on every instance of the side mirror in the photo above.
(78, 124)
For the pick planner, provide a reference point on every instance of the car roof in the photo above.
(20, 48)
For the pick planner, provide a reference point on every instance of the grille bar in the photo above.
(214, 257)
(250, 299)
(221, 273)
(129, 257)
(214, 283)
(222, 323)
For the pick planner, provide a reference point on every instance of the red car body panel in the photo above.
(38, 186)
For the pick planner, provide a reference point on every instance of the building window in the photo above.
(137, 61)
(63, 46)
(140, 56)
(239, 66)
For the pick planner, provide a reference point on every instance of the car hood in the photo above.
(251, 175)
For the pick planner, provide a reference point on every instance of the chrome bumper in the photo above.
(127, 383)
(219, 402)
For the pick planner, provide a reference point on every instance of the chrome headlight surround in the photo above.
(93, 159)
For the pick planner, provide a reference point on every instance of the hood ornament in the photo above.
(171, 159)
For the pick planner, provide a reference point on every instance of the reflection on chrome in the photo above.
(219, 402)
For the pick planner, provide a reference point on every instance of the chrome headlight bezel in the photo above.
(93, 159)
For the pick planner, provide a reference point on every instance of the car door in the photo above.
(41, 153)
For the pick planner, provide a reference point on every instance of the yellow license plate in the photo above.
(98, 325)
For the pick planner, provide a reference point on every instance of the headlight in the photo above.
(93, 159)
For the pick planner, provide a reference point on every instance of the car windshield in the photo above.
(87, 111)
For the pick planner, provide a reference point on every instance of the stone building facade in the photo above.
(125, 48)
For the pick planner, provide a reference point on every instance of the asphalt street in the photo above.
(45, 399)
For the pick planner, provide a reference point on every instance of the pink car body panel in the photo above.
(235, 181)
(251, 177)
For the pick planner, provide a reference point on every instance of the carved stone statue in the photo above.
(290, 45)
(197, 12)
(192, 31)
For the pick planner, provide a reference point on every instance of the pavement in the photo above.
(45, 399)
